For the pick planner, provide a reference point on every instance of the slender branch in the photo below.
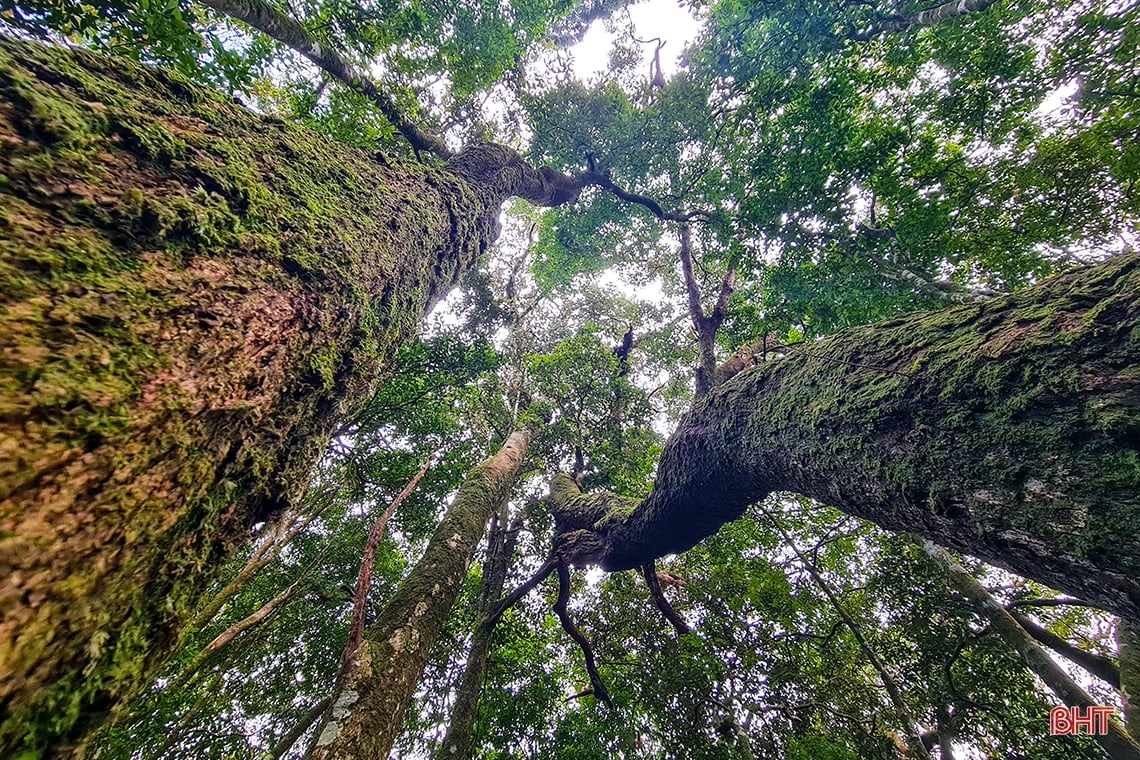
(228, 635)
(584, 643)
(649, 570)
(929, 17)
(292, 33)
(504, 604)
(604, 180)
(696, 313)
(1060, 601)
(1101, 667)
(368, 563)
(286, 742)
(727, 285)
(893, 691)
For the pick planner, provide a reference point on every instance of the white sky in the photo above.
(655, 18)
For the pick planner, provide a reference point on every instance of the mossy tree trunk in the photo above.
(368, 709)
(1008, 430)
(192, 298)
(1128, 648)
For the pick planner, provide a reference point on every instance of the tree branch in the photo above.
(929, 17)
(584, 643)
(1101, 667)
(368, 563)
(649, 570)
(292, 33)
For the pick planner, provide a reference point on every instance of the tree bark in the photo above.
(1117, 743)
(456, 744)
(1101, 667)
(368, 709)
(192, 297)
(1008, 430)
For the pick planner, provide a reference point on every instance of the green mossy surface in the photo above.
(191, 296)
(1008, 430)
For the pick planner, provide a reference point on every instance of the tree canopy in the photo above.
(798, 170)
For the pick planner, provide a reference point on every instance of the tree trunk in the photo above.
(192, 297)
(1008, 430)
(456, 744)
(368, 710)
(1116, 742)
(1128, 647)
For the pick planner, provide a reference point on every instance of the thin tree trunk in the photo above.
(1004, 429)
(368, 709)
(193, 298)
(1116, 743)
(286, 742)
(1128, 646)
(456, 744)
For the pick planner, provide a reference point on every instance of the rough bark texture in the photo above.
(1008, 430)
(1117, 743)
(368, 710)
(191, 297)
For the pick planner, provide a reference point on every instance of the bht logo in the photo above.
(1070, 720)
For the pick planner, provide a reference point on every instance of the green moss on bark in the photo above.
(191, 298)
(1008, 430)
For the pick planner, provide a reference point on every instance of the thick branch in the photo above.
(1003, 429)
(1116, 743)
(1101, 667)
(292, 33)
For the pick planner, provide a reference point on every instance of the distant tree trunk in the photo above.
(192, 297)
(1128, 647)
(368, 709)
(1117, 743)
(1008, 430)
(456, 743)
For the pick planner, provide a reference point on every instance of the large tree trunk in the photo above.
(1008, 430)
(192, 297)
(368, 709)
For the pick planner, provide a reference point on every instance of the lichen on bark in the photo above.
(389, 664)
